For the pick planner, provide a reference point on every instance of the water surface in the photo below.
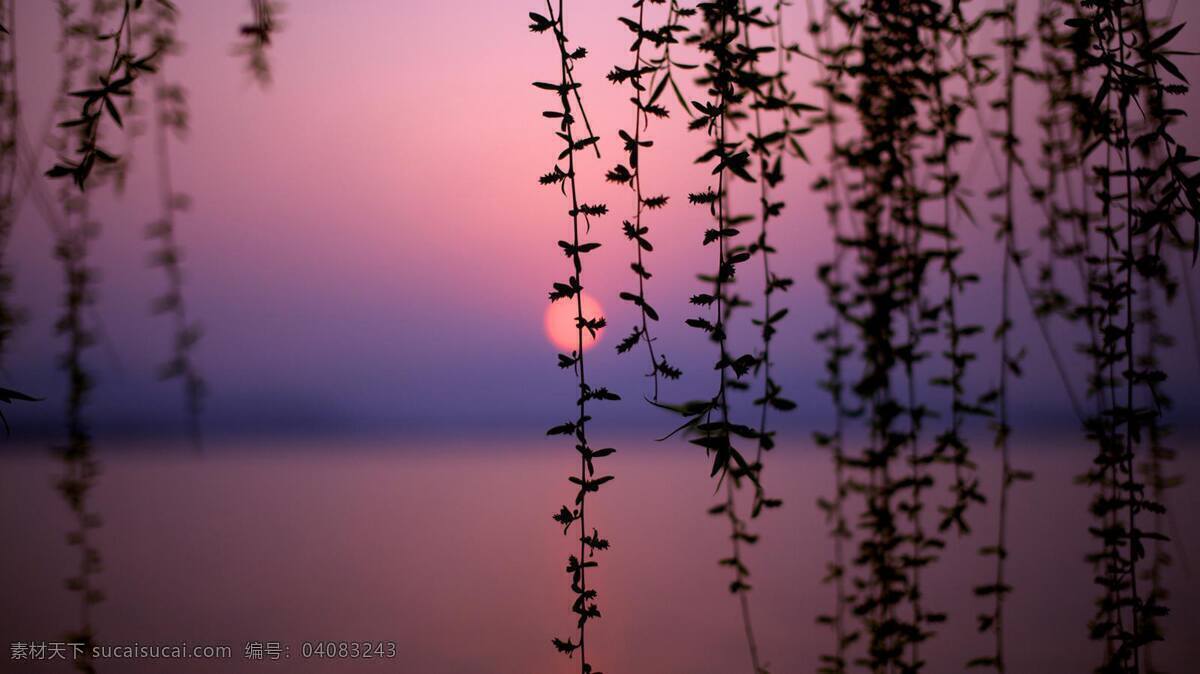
(447, 549)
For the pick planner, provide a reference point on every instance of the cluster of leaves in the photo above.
(256, 39)
(584, 606)
(171, 115)
(101, 98)
(646, 105)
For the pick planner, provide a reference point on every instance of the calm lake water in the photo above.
(447, 549)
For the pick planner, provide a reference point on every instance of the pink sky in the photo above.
(368, 244)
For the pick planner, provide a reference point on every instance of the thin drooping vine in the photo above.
(831, 275)
(1155, 467)
(584, 605)
(1159, 291)
(9, 168)
(81, 467)
(170, 118)
(644, 107)
(9, 163)
(1011, 44)
(769, 93)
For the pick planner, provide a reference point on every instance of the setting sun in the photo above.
(560, 323)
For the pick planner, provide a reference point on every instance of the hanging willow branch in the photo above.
(584, 606)
(73, 233)
(80, 465)
(644, 108)
(1156, 465)
(170, 118)
(831, 58)
(769, 94)
(9, 164)
(1159, 290)
(9, 168)
(1011, 44)
(726, 70)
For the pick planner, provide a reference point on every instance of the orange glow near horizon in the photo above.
(560, 324)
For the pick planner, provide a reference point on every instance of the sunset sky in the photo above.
(368, 248)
